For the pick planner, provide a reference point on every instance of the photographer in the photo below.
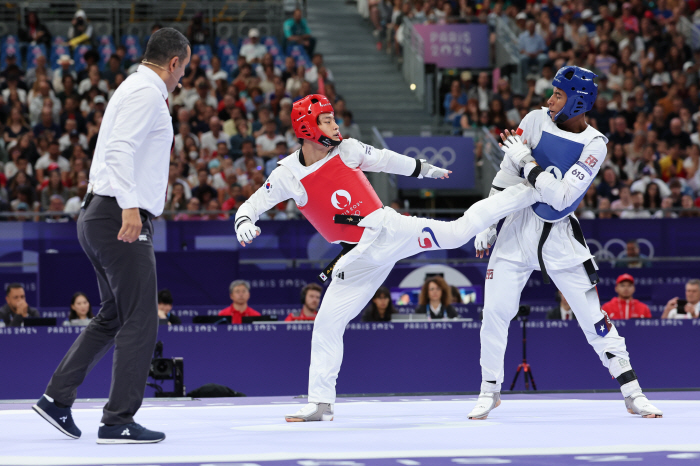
(688, 308)
(80, 31)
(16, 309)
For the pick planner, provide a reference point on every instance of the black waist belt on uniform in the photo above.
(327, 270)
(347, 247)
(578, 235)
(88, 199)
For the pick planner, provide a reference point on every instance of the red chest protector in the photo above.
(338, 189)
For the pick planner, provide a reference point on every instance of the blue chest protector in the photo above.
(556, 155)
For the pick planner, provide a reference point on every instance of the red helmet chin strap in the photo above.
(305, 114)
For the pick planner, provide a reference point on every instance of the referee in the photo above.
(128, 181)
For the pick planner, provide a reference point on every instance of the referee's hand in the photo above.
(131, 225)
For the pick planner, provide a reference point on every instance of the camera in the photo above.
(523, 311)
(167, 369)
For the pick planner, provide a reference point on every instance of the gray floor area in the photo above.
(369, 81)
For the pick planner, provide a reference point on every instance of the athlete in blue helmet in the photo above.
(559, 154)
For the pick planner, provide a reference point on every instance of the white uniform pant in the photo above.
(400, 237)
(502, 298)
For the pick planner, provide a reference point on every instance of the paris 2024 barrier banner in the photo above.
(455, 45)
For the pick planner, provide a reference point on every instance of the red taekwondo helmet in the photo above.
(305, 113)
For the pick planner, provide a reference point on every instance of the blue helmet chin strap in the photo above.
(580, 89)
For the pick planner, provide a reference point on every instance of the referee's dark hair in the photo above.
(12, 286)
(165, 297)
(165, 44)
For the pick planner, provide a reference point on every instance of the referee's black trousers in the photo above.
(128, 318)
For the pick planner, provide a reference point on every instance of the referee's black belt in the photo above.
(144, 212)
(578, 234)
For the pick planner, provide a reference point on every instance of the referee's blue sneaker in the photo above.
(60, 418)
(127, 433)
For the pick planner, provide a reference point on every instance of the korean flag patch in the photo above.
(268, 186)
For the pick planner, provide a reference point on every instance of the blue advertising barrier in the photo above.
(452, 153)
(436, 356)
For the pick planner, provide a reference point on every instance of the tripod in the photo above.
(524, 366)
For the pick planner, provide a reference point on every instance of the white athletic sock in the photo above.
(489, 387)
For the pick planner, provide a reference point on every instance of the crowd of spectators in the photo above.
(648, 98)
(231, 127)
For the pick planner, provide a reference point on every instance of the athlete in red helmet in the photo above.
(325, 180)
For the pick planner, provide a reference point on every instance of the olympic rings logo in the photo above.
(443, 157)
(606, 251)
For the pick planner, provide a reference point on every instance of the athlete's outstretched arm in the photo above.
(370, 159)
(277, 188)
(561, 194)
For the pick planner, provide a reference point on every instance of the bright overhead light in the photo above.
(413, 87)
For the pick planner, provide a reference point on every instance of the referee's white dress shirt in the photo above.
(132, 156)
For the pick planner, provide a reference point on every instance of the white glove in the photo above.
(431, 171)
(516, 150)
(484, 240)
(246, 232)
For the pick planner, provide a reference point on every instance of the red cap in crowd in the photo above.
(625, 277)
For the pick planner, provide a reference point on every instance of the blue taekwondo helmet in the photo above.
(581, 92)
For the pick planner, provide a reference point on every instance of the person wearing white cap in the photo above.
(65, 62)
(253, 51)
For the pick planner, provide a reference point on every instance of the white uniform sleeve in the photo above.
(370, 159)
(281, 187)
(561, 194)
(135, 117)
(509, 174)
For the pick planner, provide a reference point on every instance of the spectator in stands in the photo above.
(247, 157)
(562, 311)
(16, 309)
(203, 93)
(455, 103)
(266, 143)
(34, 32)
(253, 51)
(610, 185)
(620, 133)
(435, 298)
(317, 63)
(652, 198)
(624, 202)
(80, 30)
(52, 156)
(665, 211)
(80, 313)
(65, 62)
(637, 210)
(348, 128)
(194, 70)
(672, 164)
(239, 292)
(73, 204)
(685, 309)
(296, 31)
(178, 201)
(281, 151)
(46, 127)
(604, 210)
(688, 206)
(311, 302)
(532, 46)
(624, 306)
(632, 252)
(114, 68)
(481, 92)
(214, 136)
(192, 212)
(166, 316)
(203, 191)
(54, 188)
(380, 308)
(56, 206)
(197, 32)
(16, 126)
(71, 111)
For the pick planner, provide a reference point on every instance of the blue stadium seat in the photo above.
(220, 43)
(105, 40)
(9, 40)
(58, 40)
(299, 53)
(79, 58)
(6, 49)
(205, 54)
(34, 51)
(133, 52)
(57, 51)
(105, 52)
(129, 40)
